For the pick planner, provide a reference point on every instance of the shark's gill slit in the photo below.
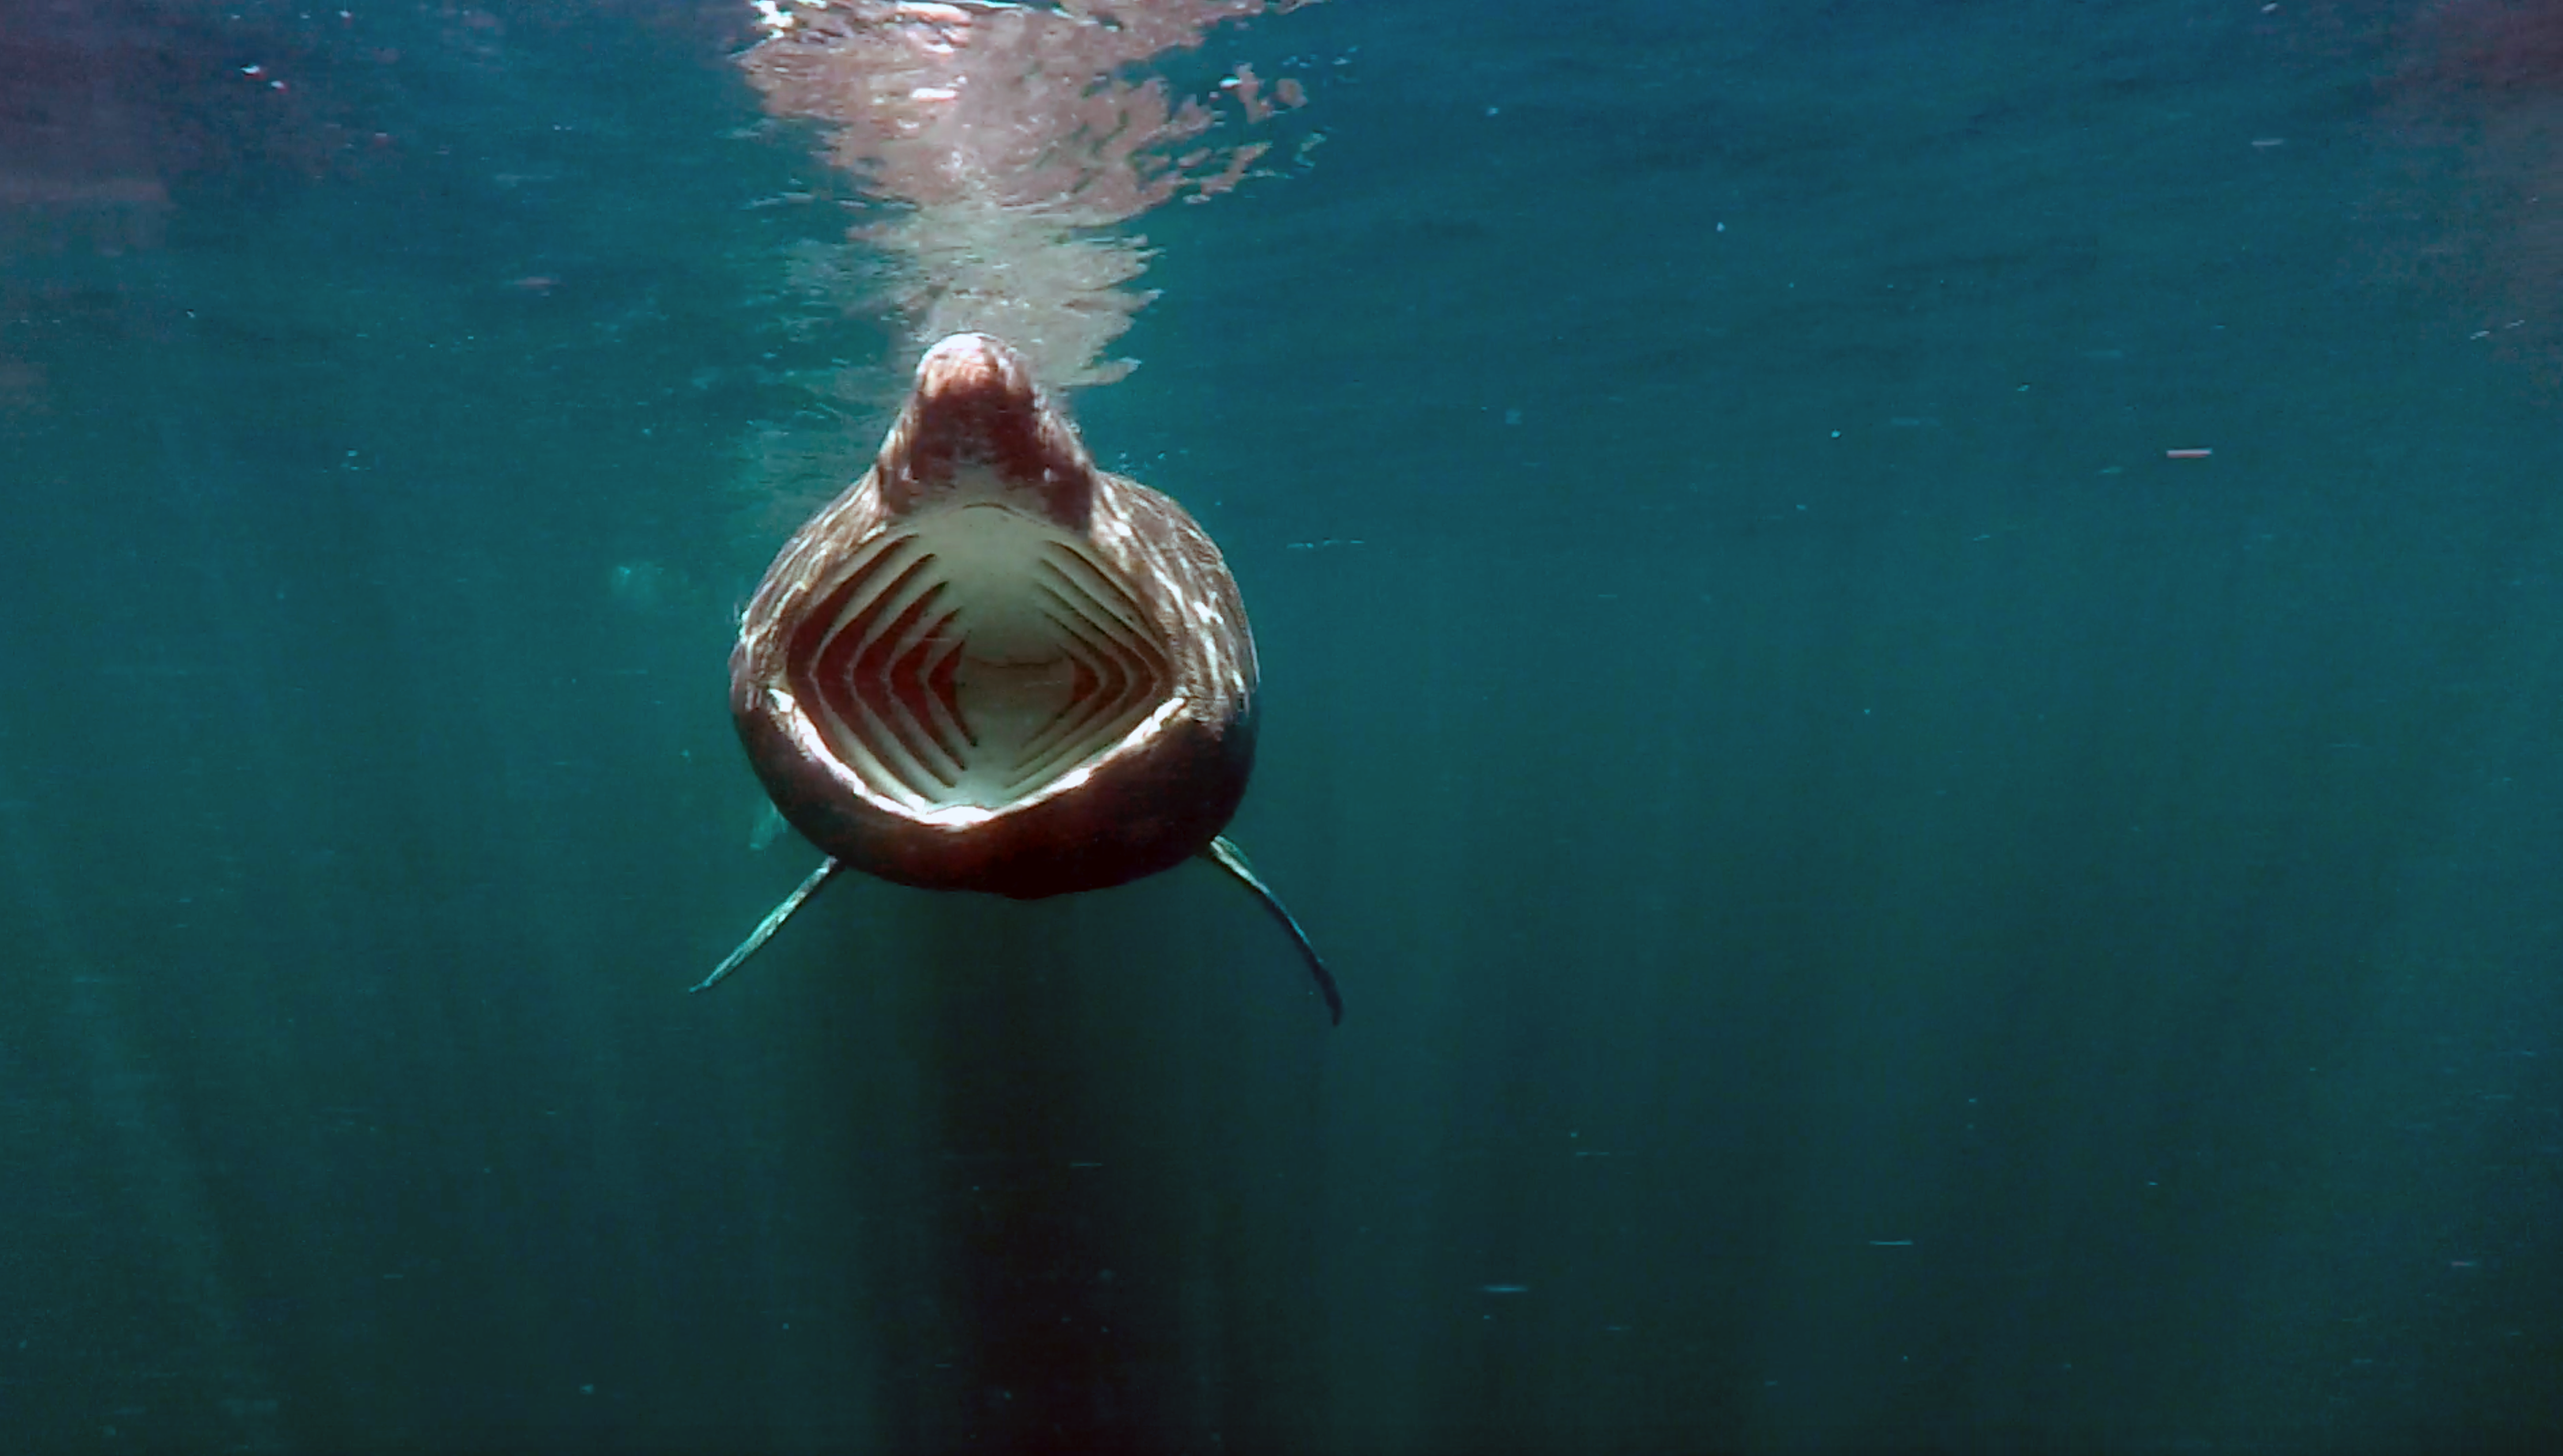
(853, 664)
(1087, 679)
(1128, 682)
(905, 686)
(933, 700)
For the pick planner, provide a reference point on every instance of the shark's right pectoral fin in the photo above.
(1228, 856)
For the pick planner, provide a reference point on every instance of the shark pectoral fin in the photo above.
(1228, 856)
(773, 922)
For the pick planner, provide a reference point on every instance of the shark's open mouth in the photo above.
(972, 655)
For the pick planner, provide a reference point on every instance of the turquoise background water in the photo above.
(1878, 910)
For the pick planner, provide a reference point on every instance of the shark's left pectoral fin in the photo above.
(772, 922)
(1228, 856)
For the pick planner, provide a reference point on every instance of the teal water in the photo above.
(1878, 911)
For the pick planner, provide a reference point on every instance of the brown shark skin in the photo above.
(1151, 802)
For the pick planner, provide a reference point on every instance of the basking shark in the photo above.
(989, 666)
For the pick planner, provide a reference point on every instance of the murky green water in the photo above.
(1884, 904)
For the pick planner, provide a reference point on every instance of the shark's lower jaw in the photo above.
(973, 655)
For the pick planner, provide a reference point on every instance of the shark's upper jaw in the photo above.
(977, 429)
